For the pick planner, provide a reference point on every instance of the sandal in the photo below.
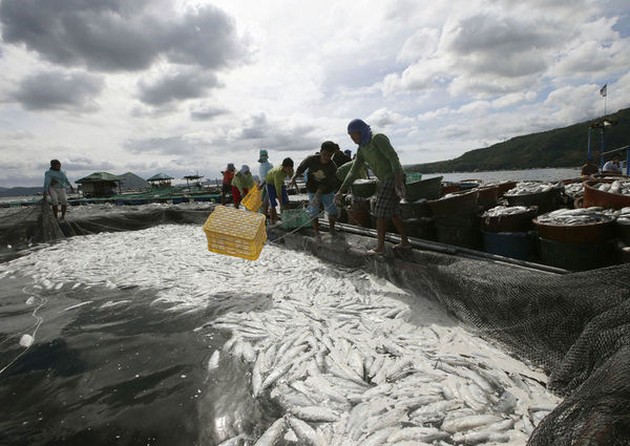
(374, 252)
(400, 247)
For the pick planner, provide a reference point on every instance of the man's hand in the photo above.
(338, 199)
(399, 186)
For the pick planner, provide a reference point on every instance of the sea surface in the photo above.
(147, 338)
(547, 175)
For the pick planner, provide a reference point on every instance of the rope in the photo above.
(321, 214)
(35, 327)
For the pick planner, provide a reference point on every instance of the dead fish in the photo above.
(470, 422)
(273, 434)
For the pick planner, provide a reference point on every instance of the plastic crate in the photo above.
(235, 232)
(253, 199)
(294, 218)
(411, 177)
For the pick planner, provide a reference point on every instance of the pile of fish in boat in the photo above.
(530, 187)
(500, 211)
(616, 187)
(356, 373)
(582, 216)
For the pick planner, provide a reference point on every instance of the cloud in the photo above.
(58, 90)
(121, 35)
(176, 86)
(172, 145)
(206, 112)
(180, 85)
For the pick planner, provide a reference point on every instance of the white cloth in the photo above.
(611, 167)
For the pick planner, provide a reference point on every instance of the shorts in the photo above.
(57, 196)
(327, 200)
(273, 196)
(387, 201)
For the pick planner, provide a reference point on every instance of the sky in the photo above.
(185, 87)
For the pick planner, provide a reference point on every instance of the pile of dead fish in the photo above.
(615, 187)
(352, 371)
(500, 211)
(530, 187)
(574, 190)
(583, 216)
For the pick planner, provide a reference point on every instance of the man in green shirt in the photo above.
(276, 188)
(377, 153)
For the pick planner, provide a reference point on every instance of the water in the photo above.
(551, 174)
(124, 326)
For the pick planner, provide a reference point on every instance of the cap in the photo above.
(231, 166)
(244, 168)
(262, 156)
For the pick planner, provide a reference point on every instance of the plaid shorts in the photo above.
(387, 202)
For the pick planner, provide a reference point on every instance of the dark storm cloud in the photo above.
(176, 86)
(282, 136)
(120, 35)
(503, 46)
(174, 145)
(56, 90)
(207, 113)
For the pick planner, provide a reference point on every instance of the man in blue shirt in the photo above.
(55, 183)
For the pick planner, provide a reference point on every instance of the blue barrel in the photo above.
(516, 245)
(577, 256)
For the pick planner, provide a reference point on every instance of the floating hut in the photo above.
(100, 185)
(194, 180)
(160, 180)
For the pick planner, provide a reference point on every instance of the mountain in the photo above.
(19, 191)
(129, 182)
(132, 182)
(564, 147)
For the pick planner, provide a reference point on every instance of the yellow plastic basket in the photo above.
(253, 199)
(235, 232)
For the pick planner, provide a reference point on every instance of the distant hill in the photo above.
(19, 191)
(131, 181)
(565, 147)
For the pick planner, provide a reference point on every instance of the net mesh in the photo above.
(575, 326)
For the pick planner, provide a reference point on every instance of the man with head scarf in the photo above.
(242, 182)
(377, 153)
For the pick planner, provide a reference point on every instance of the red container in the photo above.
(457, 203)
(596, 197)
(577, 234)
(488, 196)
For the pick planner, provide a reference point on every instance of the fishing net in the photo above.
(26, 226)
(575, 326)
